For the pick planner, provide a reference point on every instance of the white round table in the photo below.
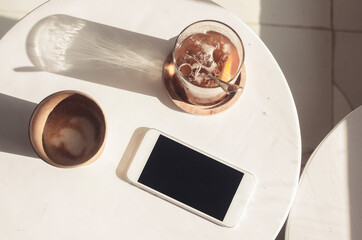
(329, 196)
(114, 51)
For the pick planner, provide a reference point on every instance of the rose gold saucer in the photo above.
(179, 97)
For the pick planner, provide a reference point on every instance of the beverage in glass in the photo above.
(207, 48)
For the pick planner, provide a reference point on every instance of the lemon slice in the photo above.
(225, 76)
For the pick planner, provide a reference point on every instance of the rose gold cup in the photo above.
(68, 129)
(187, 58)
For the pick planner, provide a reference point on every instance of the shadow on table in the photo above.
(101, 54)
(5, 25)
(14, 119)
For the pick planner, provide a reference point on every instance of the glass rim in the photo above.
(217, 22)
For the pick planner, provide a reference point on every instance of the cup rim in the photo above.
(214, 21)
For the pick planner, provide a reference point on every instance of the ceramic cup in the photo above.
(68, 129)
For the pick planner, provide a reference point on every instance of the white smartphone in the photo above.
(191, 179)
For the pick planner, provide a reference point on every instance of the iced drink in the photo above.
(202, 49)
(207, 53)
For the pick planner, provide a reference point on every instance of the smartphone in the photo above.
(191, 179)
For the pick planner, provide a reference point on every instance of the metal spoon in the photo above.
(227, 87)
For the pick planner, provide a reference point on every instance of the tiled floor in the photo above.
(318, 45)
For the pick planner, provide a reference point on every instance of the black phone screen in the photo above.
(191, 177)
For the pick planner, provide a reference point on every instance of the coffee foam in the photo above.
(78, 139)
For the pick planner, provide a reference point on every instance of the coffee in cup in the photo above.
(203, 49)
(68, 129)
